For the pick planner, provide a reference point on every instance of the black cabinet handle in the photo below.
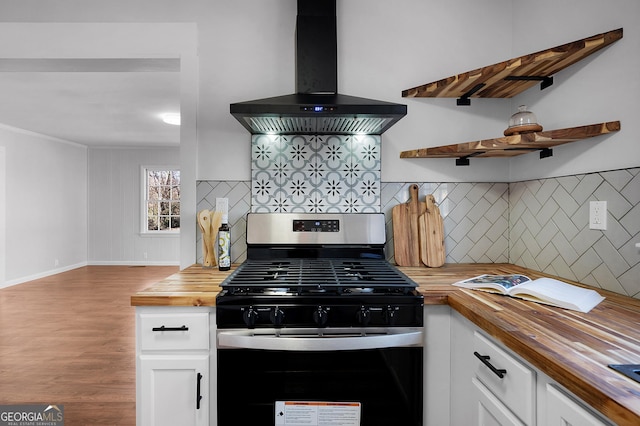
(163, 328)
(198, 396)
(485, 360)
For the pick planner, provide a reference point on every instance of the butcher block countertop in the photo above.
(571, 347)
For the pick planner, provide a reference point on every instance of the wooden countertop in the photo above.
(571, 347)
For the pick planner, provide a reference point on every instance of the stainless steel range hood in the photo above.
(317, 107)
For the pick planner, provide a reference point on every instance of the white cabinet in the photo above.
(173, 389)
(505, 377)
(173, 365)
(522, 396)
(437, 365)
(563, 410)
(489, 410)
(174, 330)
(488, 385)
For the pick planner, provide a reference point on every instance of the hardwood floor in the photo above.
(69, 339)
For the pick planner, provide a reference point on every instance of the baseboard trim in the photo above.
(42, 274)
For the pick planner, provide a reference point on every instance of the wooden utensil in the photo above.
(199, 216)
(431, 230)
(406, 243)
(208, 254)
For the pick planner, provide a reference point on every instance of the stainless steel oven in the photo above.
(316, 327)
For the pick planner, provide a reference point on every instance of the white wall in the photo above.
(114, 235)
(46, 205)
(113, 40)
(3, 216)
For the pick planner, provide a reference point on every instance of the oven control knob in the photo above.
(389, 314)
(277, 316)
(250, 316)
(320, 316)
(363, 315)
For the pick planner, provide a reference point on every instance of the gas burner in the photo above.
(275, 290)
(358, 276)
(278, 274)
(359, 290)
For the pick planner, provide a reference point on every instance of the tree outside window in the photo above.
(162, 200)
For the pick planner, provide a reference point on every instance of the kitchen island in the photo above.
(572, 348)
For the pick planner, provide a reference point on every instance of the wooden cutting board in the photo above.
(406, 241)
(431, 231)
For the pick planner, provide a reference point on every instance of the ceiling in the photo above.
(93, 102)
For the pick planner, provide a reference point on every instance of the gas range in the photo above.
(316, 314)
(317, 270)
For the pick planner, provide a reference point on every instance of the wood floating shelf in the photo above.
(509, 78)
(510, 146)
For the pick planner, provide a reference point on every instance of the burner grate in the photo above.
(350, 276)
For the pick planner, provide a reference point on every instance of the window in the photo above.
(161, 206)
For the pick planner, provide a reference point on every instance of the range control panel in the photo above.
(305, 229)
(316, 226)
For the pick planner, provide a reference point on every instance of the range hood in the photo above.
(317, 107)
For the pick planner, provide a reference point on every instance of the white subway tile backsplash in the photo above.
(618, 179)
(584, 188)
(630, 220)
(630, 282)
(569, 183)
(540, 224)
(631, 190)
(546, 191)
(600, 258)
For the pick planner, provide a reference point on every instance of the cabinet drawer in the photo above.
(563, 410)
(516, 389)
(490, 411)
(174, 331)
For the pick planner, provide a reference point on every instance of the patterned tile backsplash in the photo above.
(315, 173)
(539, 224)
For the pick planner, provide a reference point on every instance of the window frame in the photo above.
(144, 185)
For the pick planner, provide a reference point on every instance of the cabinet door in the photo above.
(564, 411)
(174, 390)
(516, 387)
(489, 410)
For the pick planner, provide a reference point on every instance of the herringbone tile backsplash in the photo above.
(549, 228)
(540, 224)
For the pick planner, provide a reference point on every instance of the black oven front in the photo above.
(376, 374)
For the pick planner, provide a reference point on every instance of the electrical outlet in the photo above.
(598, 215)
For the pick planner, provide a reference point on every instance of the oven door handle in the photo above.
(323, 340)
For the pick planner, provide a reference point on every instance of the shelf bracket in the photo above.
(544, 81)
(464, 161)
(544, 153)
(464, 99)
